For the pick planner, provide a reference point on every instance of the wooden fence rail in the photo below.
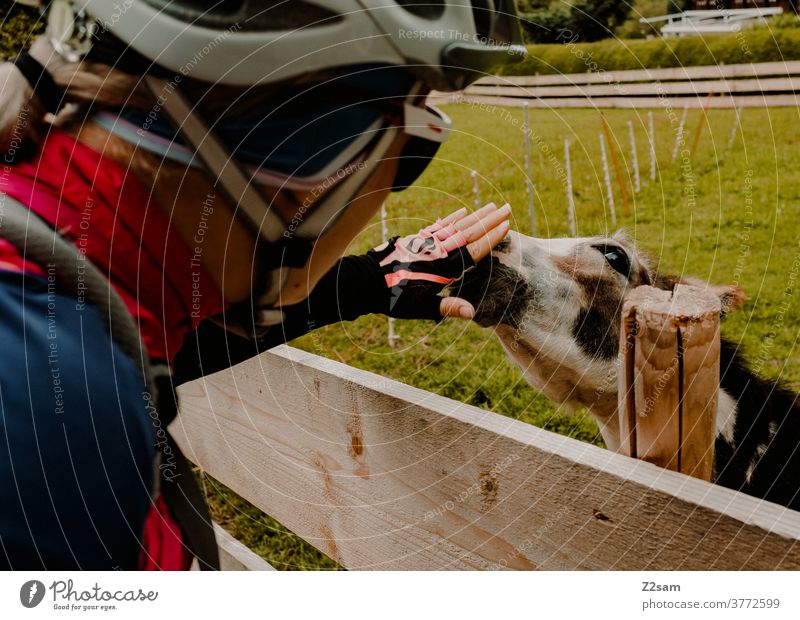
(380, 475)
(756, 84)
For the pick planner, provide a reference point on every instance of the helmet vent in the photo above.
(247, 15)
(427, 9)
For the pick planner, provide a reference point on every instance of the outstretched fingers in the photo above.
(454, 216)
(470, 219)
(482, 231)
(473, 227)
(487, 231)
(476, 228)
(483, 246)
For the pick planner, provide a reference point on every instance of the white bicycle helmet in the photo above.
(417, 45)
(448, 43)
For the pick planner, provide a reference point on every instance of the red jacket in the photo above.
(114, 222)
(110, 216)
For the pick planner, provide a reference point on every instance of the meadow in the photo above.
(728, 214)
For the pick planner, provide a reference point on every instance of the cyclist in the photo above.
(180, 181)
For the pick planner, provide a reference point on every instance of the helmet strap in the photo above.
(282, 246)
(243, 196)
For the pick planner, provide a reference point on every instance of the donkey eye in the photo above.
(616, 257)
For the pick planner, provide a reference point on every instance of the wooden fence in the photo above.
(380, 475)
(749, 85)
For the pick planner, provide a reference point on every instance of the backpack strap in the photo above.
(39, 242)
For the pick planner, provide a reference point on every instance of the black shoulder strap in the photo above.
(42, 83)
(39, 242)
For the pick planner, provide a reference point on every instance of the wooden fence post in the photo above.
(669, 377)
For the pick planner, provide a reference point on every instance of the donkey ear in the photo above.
(731, 295)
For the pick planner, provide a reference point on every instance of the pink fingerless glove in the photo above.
(416, 268)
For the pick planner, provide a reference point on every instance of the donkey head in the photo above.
(555, 305)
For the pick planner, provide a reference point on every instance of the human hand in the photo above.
(417, 267)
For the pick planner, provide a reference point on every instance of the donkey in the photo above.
(555, 306)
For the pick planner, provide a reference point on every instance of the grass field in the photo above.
(728, 214)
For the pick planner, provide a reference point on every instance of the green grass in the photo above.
(464, 362)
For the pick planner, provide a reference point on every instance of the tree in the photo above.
(526, 6)
(584, 20)
(545, 25)
(593, 20)
(676, 6)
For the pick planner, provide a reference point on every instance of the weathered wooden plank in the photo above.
(700, 351)
(233, 555)
(669, 382)
(749, 101)
(709, 72)
(656, 395)
(645, 89)
(380, 475)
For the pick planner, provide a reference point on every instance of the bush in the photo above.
(19, 24)
(784, 20)
(593, 19)
(751, 45)
(632, 28)
(545, 25)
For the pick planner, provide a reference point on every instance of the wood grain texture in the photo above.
(656, 389)
(700, 338)
(380, 475)
(670, 341)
